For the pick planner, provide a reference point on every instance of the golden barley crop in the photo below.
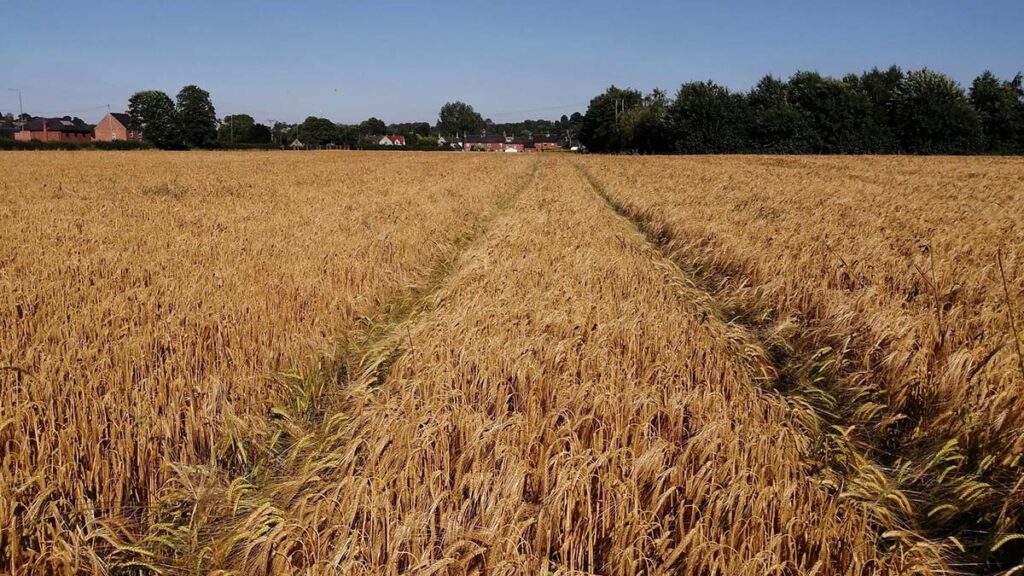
(900, 281)
(386, 363)
(153, 305)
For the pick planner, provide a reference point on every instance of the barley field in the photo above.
(404, 363)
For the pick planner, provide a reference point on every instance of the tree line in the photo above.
(190, 121)
(877, 112)
(455, 119)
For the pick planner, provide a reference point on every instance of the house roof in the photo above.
(483, 139)
(121, 117)
(55, 125)
(547, 139)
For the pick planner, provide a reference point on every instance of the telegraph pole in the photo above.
(21, 110)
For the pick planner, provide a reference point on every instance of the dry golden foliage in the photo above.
(898, 277)
(571, 405)
(388, 363)
(149, 301)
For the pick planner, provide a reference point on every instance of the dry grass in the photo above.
(896, 281)
(153, 307)
(463, 364)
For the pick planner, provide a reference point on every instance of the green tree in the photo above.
(197, 117)
(259, 134)
(709, 119)
(373, 127)
(600, 130)
(459, 118)
(645, 128)
(314, 131)
(776, 125)
(880, 88)
(153, 113)
(999, 108)
(235, 128)
(837, 112)
(932, 114)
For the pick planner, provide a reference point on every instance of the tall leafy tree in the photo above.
(707, 118)
(776, 125)
(373, 126)
(600, 130)
(932, 114)
(459, 118)
(999, 107)
(315, 131)
(645, 128)
(153, 113)
(259, 134)
(197, 117)
(880, 87)
(838, 112)
(235, 128)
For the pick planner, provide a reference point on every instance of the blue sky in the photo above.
(400, 60)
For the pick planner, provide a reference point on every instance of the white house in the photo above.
(392, 140)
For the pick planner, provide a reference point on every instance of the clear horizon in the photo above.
(401, 62)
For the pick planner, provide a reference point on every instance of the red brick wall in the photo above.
(110, 129)
(53, 136)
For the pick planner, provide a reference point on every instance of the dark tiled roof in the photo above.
(483, 139)
(123, 118)
(55, 125)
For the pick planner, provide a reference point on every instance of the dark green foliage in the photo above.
(708, 118)
(238, 129)
(259, 134)
(932, 115)
(373, 127)
(1000, 107)
(315, 131)
(837, 112)
(776, 125)
(600, 130)
(196, 117)
(646, 127)
(153, 113)
(878, 112)
(459, 118)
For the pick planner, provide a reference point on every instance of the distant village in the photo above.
(459, 128)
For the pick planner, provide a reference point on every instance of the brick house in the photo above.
(54, 130)
(115, 126)
(547, 142)
(505, 143)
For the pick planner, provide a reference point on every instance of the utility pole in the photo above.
(21, 110)
(111, 123)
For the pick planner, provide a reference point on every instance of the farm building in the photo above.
(392, 140)
(54, 130)
(503, 143)
(114, 126)
(506, 143)
(547, 142)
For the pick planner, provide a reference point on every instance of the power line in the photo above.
(67, 111)
(544, 109)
